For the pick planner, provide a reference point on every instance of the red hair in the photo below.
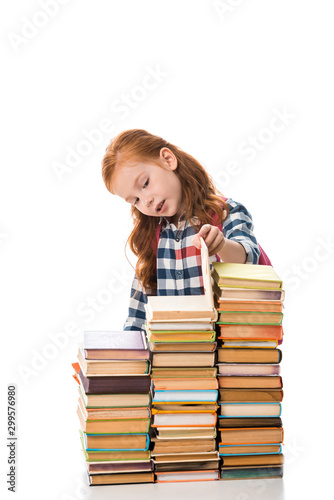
(202, 199)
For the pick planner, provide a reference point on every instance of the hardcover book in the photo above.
(183, 307)
(110, 345)
(231, 275)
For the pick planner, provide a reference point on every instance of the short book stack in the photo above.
(181, 334)
(249, 300)
(113, 373)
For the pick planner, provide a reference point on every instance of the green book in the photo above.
(250, 318)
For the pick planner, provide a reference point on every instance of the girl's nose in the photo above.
(148, 201)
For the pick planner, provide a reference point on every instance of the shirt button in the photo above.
(177, 239)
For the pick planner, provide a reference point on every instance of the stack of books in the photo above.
(181, 334)
(249, 300)
(113, 373)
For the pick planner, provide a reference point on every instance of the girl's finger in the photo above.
(196, 241)
(217, 244)
(204, 230)
(211, 236)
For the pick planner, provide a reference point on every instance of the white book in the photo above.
(163, 477)
(182, 307)
(184, 419)
(181, 325)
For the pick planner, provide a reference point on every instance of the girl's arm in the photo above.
(232, 251)
(136, 316)
(237, 242)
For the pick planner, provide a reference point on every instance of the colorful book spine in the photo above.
(249, 328)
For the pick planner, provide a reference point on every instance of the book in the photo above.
(267, 459)
(232, 275)
(126, 384)
(212, 455)
(226, 422)
(187, 465)
(114, 345)
(168, 477)
(100, 456)
(250, 318)
(113, 426)
(249, 355)
(250, 305)
(184, 419)
(244, 409)
(252, 472)
(182, 445)
(248, 344)
(116, 442)
(128, 478)
(185, 383)
(118, 467)
(179, 326)
(249, 449)
(186, 432)
(250, 382)
(184, 407)
(114, 400)
(251, 435)
(250, 395)
(180, 372)
(183, 359)
(185, 336)
(94, 367)
(113, 413)
(246, 294)
(185, 306)
(189, 395)
(248, 369)
(251, 332)
(183, 346)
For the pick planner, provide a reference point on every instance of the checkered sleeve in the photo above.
(239, 227)
(136, 315)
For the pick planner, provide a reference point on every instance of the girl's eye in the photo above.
(146, 184)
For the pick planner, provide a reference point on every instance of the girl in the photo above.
(173, 202)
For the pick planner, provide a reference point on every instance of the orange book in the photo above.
(251, 435)
(256, 395)
(253, 332)
(250, 382)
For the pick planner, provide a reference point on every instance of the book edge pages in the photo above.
(206, 274)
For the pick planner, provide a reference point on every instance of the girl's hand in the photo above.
(213, 237)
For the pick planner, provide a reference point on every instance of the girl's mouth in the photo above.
(161, 207)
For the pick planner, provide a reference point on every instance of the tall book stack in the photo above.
(249, 300)
(113, 373)
(181, 336)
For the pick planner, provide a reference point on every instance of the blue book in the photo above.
(116, 442)
(227, 450)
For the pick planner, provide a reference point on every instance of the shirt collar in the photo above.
(181, 220)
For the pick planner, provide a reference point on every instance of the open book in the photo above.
(185, 307)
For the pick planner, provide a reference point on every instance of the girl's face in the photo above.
(155, 191)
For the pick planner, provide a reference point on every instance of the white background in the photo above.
(222, 75)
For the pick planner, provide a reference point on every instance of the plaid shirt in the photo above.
(179, 270)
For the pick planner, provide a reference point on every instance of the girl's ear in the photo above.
(168, 158)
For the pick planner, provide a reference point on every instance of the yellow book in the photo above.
(233, 275)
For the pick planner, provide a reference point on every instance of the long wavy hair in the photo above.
(202, 199)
